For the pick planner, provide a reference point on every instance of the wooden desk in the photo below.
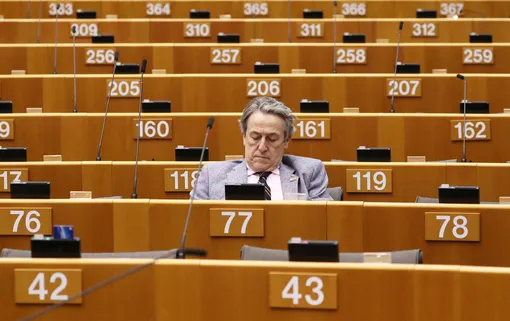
(279, 225)
(407, 180)
(275, 9)
(271, 30)
(93, 221)
(398, 226)
(197, 58)
(440, 93)
(147, 225)
(75, 136)
(173, 289)
(137, 305)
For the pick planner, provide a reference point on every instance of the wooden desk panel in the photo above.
(228, 93)
(274, 30)
(173, 289)
(401, 226)
(410, 180)
(127, 299)
(196, 58)
(92, 221)
(276, 9)
(76, 136)
(307, 221)
(381, 287)
(64, 176)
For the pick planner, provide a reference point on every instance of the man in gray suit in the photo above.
(267, 126)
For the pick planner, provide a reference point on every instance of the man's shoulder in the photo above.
(222, 166)
(294, 160)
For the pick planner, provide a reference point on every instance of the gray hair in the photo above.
(268, 105)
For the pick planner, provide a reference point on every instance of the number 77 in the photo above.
(231, 216)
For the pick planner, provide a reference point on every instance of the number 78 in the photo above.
(462, 226)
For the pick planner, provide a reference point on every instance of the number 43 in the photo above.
(291, 291)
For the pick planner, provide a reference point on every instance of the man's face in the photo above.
(264, 142)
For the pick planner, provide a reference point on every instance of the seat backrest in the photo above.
(253, 253)
(120, 255)
(336, 193)
(444, 161)
(421, 199)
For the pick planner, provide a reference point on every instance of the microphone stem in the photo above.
(100, 145)
(395, 75)
(464, 134)
(56, 41)
(135, 183)
(180, 252)
(74, 72)
(334, 37)
(38, 40)
(288, 20)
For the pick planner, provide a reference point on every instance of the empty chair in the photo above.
(336, 193)
(263, 254)
(421, 199)
(106, 255)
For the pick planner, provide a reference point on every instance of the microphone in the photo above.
(461, 77)
(288, 20)
(56, 41)
(73, 30)
(98, 158)
(39, 21)
(135, 180)
(334, 36)
(181, 252)
(401, 25)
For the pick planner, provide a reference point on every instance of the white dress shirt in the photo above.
(273, 180)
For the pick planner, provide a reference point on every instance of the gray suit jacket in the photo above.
(298, 175)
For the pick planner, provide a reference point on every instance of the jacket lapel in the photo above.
(289, 179)
(238, 174)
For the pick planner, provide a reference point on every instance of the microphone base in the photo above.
(75, 111)
(134, 195)
(98, 158)
(181, 253)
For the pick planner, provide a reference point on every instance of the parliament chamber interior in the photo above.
(167, 160)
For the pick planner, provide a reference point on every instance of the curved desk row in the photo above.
(414, 93)
(241, 58)
(273, 30)
(254, 9)
(322, 136)
(194, 290)
(446, 233)
(369, 182)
